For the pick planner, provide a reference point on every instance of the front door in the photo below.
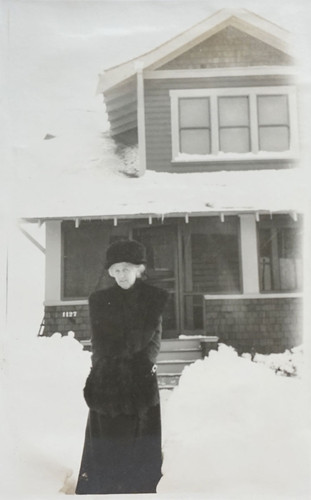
(162, 269)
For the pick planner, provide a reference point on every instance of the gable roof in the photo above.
(242, 19)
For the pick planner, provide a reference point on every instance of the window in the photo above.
(211, 264)
(216, 124)
(280, 266)
(194, 125)
(234, 124)
(83, 256)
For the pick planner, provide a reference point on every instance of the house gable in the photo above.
(243, 20)
(229, 47)
(231, 50)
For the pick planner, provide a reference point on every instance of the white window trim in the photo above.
(252, 93)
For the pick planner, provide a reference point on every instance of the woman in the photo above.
(122, 449)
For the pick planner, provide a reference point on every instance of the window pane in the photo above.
(195, 141)
(234, 140)
(265, 256)
(83, 257)
(289, 250)
(233, 111)
(194, 112)
(273, 138)
(280, 255)
(273, 110)
(215, 263)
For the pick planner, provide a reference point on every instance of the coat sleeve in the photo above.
(94, 318)
(153, 347)
(97, 324)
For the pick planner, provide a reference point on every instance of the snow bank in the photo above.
(233, 429)
(289, 363)
(44, 415)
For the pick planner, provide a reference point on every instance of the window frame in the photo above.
(274, 225)
(252, 93)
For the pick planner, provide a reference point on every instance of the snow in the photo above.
(231, 156)
(231, 429)
(206, 337)
(290, 363)
(45, 414)
(159, 194)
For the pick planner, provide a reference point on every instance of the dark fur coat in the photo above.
(126, 335)
(122, 447)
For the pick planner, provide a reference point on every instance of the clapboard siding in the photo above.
(158, 120)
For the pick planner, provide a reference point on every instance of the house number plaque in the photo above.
(69, 314)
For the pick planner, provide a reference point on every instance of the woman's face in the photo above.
(125, 274)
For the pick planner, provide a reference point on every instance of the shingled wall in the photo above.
(263, 324)
(260, 325)
(229, 48)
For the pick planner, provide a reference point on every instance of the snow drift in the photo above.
(234, 429)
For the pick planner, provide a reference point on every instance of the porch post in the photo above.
(53, 261)
(249, 254)
(141, 118)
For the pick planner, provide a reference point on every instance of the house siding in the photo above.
(229, 48)
(55, 320)
(158, 121)
(259, 325)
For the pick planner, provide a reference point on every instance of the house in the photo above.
(209, 124)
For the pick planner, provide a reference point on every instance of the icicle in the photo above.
(294, 216)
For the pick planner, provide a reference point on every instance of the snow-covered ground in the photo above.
(232, 429)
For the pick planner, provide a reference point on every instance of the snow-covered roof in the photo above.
(73, 170)
(103, 193)
(241, 19)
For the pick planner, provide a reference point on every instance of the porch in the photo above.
(237, 276)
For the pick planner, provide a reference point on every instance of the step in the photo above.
(177, 344)
(186, 354)
(187, 342)
(86, 344)
(172, 366)
(168, 380)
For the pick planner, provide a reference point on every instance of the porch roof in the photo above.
(102, 196)
(80, 174)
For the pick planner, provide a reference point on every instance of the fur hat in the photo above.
(125, 251)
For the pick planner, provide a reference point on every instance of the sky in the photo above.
(54, 49)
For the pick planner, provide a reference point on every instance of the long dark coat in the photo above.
(122, 449)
